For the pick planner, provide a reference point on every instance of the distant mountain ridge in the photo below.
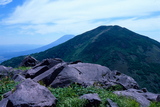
(8, 55)
(112, 46)
(14, 48)
(55, 43)
(17, 47)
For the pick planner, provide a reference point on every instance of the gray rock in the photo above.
(75, 62)
(18, 78)
(141, 97)
(88, 74)
(93, 99)
(158, 98)
(49, 62)
(15, 72)
(111, 103)
(40, 68)
(148, 95)
(5, 103)
(144, 90)
(112, 85)
(126, 81)
(5, 71)
(57, 73)
(9, 72)
(31, 94)
(49, 76)
(5, 95)
(67, 76)
(31, 73)
(28, 61)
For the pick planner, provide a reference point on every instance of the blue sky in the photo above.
(44, 21)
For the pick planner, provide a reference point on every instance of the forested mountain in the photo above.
(112, 46)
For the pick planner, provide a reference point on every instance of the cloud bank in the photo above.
(4, 2)
(77, 16)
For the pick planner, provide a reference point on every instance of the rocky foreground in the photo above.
(57, 73)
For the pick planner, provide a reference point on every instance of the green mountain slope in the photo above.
(112, 46)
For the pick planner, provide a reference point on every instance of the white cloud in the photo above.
(46, 11)
(4, 2)
(137, 25)
(77, 16)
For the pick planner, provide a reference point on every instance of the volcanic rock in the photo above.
(30, 94)
(93, 100)
(29, 61)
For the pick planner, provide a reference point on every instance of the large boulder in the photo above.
(9, 72)
(57, 73)
(5, 71)
(82, 73)
(30, 94)
(40, 68)
(119, 78)
(88, 74)
(49, 76)
(31, 73)
(28, 61)
(140, 96)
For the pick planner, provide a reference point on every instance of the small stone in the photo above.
(111, 103)
(158, 98)
(93, 99)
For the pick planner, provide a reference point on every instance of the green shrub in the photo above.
(68, 96)
(6, 84)
(72, 102)
(116, 88)
(23, 68)
(155, 104)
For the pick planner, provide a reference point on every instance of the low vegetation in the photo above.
(23, 68)
(69, 96)
(6, 84)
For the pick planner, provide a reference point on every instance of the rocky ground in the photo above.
(57, 73)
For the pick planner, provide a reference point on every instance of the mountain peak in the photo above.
(109, 26)
(115, 47)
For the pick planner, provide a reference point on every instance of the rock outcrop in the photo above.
(89, 74)
(42, 67)
(29, 94)
(28, 62)
(57, 73)
(140, 96)
(5, 71)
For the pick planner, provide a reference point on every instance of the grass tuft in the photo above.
(23, 68)
(69, 96)
(6, 84)
(155, 104)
